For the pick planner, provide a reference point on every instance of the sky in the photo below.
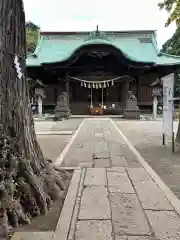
(113, 15)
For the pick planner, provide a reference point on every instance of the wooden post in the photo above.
(137, 89)
(91, 97)
(102, 105)
(126, 89)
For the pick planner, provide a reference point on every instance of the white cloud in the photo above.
(70, 15)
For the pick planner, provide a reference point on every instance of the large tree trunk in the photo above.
(28, 183)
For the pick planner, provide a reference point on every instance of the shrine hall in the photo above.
(99, 71)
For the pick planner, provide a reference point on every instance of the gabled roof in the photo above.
(137, 46)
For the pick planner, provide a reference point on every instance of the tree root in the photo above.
(24, 194)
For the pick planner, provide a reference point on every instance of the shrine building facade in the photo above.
(98, 69)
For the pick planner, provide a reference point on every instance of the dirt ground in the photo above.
(48, 222)
(146, 136)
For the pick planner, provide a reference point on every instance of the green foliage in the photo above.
(177, 85)
(172, 46)
(173, 7)
(32, 32)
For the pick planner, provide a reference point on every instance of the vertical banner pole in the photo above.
(173, 143)
(163, 140)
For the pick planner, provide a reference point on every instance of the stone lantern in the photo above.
(156, 92)
(39, 93)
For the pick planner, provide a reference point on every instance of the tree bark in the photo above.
(28, 183)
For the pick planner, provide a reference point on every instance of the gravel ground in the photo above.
(146, 136)
(65, 125)
(53, 145)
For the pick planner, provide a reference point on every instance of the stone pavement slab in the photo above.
(166, 224)
(94, 204)
(128, 217)
(99, 163)
(118, 160)
(93, 230)
(151, 197)
(138, 174)
(119, 182)
(95, 177)
(115, 148)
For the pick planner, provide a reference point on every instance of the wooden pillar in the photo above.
(102, 104)
(125, 90)
(67, 87)
(137, 89)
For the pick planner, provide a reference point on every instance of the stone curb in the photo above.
(77, 206)
(64, 223)
(67, 168)
(175, 202)
(60, 159)
(55, 133)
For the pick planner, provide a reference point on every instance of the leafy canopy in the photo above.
(172, 46)
(32, 33)
(173, 7)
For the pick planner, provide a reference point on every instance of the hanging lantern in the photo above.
(93, 85)
(89, 85)
(112, 83)
(104, 84)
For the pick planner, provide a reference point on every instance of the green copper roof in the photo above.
(138, 46)
(166, 59)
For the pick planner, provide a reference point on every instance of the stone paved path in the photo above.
(98, 144)
(117, 199)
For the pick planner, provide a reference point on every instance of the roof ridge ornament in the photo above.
(97, 35)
